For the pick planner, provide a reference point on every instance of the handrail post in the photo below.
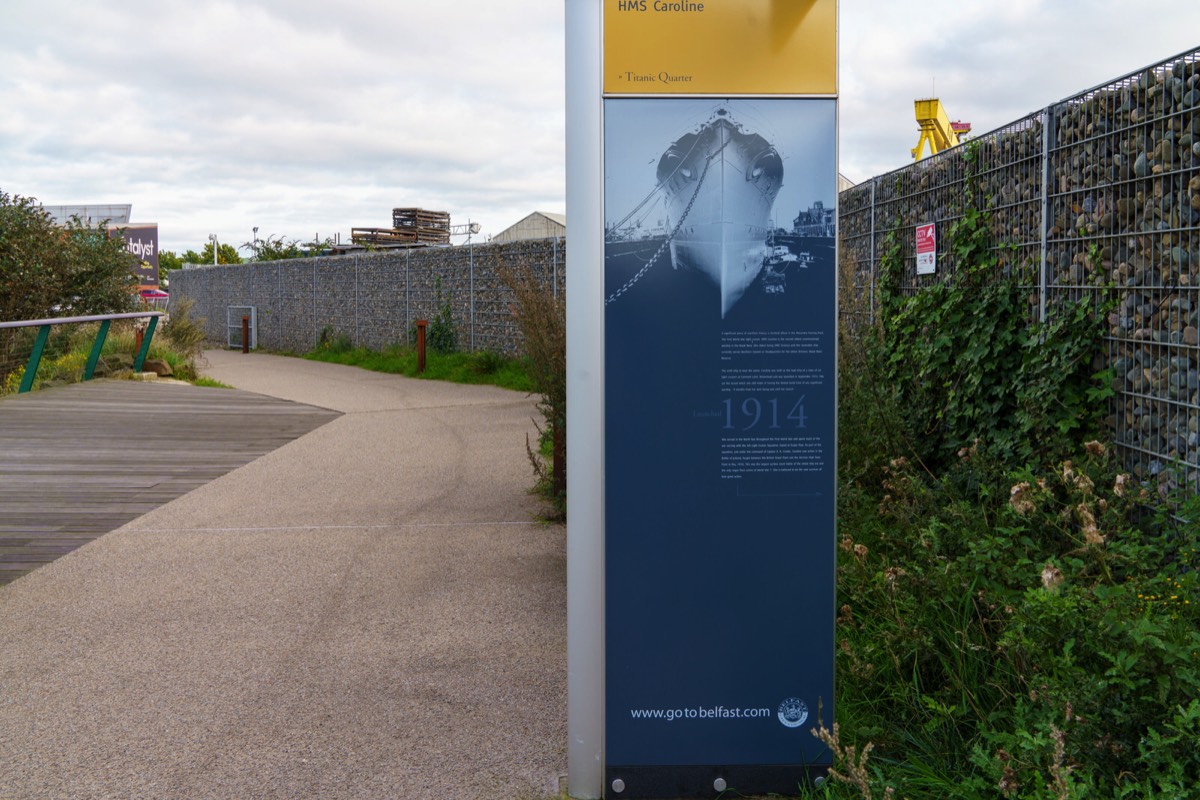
(141, 356)
(35, 358)
(94, 358)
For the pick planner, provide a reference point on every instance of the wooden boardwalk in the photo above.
(79, 461)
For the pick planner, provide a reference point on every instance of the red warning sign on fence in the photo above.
(926, 249)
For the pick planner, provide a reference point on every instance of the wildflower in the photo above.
(847, 544)
(1094, 448)
(1009, 785)
(1052, 577)
(1084, 484)
(893, 574)
(1068, 472)
(1019, 498)
(1091, 533)
(1119, 484)
(860, 552)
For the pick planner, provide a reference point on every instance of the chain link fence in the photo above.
(1096, 196)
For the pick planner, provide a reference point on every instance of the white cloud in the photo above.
(301, 117)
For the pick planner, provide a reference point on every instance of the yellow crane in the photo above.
(936, 128)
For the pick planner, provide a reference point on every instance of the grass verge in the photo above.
(471, 368)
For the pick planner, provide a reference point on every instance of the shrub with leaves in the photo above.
(47, 270)
(1014, 630)
(1017, 617)
(51, 271)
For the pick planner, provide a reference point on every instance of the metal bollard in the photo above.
(421, 325)
(245, 334)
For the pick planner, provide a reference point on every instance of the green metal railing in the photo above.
(105, 321)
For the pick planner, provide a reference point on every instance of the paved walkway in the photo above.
(366, 612)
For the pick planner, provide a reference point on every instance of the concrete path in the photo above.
(370, 611)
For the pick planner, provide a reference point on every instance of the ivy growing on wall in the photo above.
(970, 361)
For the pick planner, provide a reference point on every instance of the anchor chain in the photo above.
(671, 237)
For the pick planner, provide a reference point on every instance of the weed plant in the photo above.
(441, 334)
(1017, 617)
(542, 317)
(1021, 632)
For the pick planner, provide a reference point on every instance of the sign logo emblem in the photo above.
(793, 712)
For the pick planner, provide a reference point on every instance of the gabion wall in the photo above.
(1101, 189)
(373, 299)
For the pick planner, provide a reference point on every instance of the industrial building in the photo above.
(538, 225)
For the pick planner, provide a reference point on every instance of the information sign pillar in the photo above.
(702, 377)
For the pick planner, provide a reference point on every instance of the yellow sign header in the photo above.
(720, 47)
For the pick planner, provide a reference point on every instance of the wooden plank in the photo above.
(79, 461)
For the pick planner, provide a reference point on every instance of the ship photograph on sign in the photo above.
(708, 189)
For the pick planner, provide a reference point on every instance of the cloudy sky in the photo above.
(306, 117)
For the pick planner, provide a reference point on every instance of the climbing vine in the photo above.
(971, 364)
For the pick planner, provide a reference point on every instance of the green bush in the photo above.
(49, 271)
(1019, 632)
(1017, 618)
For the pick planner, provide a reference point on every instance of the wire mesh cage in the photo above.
(1095, 198)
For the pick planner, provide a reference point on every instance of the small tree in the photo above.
(226, 254)
(51, 271)
(167, 260)
(273, 248)
(47, 270)
(280, 248)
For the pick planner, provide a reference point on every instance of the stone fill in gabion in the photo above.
(373, 299)
(1097, 195)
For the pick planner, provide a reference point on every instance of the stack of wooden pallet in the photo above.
(384, 237)
(432, 227)
(411, 227)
